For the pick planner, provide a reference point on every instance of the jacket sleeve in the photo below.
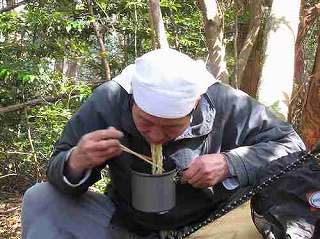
(91, 116)
(252, 136)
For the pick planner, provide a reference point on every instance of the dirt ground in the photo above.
(10, 208)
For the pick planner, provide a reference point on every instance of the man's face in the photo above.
(158, 130)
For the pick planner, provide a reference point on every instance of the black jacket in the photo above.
(226, 120)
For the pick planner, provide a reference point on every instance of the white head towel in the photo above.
(166, 83)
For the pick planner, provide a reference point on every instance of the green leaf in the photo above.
(68, 28)
(25, 77)
(4, 73)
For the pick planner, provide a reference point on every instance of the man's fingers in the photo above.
(103, 145)
(109, 133)
(114, 153)
(200, 185)
(106, 154)
(196, 178)
(190, 172)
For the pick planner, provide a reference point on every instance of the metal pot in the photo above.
(153, 193)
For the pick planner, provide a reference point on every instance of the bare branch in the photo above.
(42, 100)
(9, 210)
(103, 50)
(8, 175)
(30, 103)
(16, 152)
(33, 151)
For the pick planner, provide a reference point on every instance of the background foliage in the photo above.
(49, 48)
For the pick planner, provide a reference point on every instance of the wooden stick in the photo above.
(9, 210)
(7, 175)
(145, 158)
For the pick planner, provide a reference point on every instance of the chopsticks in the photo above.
(140, 156)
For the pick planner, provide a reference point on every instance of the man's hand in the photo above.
(94, 149)
(206, 170)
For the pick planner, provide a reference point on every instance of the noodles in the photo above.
(157, 158)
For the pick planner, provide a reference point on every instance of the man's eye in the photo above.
(172, 127)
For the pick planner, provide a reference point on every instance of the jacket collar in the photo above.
(202, 120)
(127, 123)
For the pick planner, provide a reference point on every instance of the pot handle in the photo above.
(177, 178)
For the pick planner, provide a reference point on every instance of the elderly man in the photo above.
(218, 136)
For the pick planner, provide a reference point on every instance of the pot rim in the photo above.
(154, 175)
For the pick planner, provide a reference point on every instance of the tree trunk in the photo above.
(255, 7)
(135, 31)
(175, 30)
(72, 70)
(103, 50)
(252, 72)
(157, 24)
(214, 38)
(299, 59)
(154, 42)
(59, 66)
(12, 5)
(277, 73)
(308, 17)
(311, 111)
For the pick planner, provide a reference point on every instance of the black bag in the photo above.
(290, 207)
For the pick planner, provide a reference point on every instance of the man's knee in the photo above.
(38, 195)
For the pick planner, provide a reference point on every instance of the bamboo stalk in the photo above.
(144, 158)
